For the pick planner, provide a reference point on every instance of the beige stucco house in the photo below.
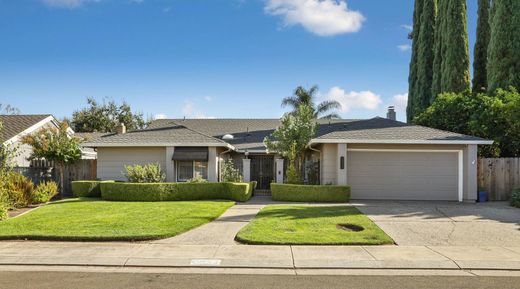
(379, 158)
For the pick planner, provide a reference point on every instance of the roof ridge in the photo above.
(201, 133)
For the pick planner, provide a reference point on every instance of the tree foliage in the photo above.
(481, 48)
(229, 173)
(413, 94)
(54, 145)
(451, 71)
(494, 117)
(503, 65)
(106, 117)
(293, 135)
(308, 97)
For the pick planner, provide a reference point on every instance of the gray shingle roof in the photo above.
(382, 129)
(15, 124)
(250, 133)
(171, 135)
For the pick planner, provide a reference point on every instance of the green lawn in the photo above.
(311, 225)
(92, 219)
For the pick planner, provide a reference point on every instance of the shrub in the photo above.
(308, 193)
(150, 173)
(230, 173)
(197, 179)
(87, 189)
(292, 175)
(44, 192)
(515, 198)
(19, 190)
(4, 205)
(154, 192)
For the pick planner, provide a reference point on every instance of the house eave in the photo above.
(100, 145)
(437, 142)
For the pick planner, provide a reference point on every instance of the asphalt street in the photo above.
(73, 280)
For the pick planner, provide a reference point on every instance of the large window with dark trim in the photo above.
(190, 169)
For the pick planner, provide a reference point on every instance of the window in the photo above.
(189, 169)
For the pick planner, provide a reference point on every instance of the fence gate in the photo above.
(262, 171)
(499, 176)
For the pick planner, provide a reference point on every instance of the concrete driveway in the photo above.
(446, 223)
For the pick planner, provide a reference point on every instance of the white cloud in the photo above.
(321, 17)
(354, 99)
(400, 101)
(404, 47)
(160, 116)
(407, 27)
(208, 98)
(66, 3)
(190, 111)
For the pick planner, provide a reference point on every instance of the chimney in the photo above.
(121, 128)
(391, 113)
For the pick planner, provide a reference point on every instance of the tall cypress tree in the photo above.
(504, 46)
(413, 94)
(451, 63)
(481, 48)
(426, 53)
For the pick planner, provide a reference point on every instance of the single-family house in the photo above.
(15, 127)
(380, 158)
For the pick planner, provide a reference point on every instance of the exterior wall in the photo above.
(470, 173)
(213, 161)
(329, 164)
(112, 161)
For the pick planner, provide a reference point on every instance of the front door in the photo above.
(262, 171)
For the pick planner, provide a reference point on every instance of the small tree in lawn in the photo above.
(55, 145)
(291, 138)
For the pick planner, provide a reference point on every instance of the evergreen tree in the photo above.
(426, 54)
(413, 95)
(451, 61)
(503, 65)
(481, 48)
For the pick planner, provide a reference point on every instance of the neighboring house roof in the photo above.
(90, 136)
(174, 135)
(248, 134)
(14, 125)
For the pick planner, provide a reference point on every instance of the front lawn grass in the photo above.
(93, 219)
(311, 225)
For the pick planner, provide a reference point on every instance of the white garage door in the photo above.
(394, 175)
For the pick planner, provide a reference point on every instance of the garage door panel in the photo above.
(403, 175)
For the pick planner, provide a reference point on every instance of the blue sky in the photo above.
(205, 58)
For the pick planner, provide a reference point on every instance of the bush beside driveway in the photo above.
(92, 219)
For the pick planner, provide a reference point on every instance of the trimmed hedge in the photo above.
(515, 198)
(87, 189)
(155, 192)
(310, 193)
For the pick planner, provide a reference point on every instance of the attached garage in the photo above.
(405, 174)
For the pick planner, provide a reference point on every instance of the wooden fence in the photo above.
(499, 177)
(81, 170)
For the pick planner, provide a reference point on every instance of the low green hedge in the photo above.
(310, 193)
(87, 189)
(515, 198)
(154, 192)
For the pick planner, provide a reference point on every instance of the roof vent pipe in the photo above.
(121, 128)
(391, 113)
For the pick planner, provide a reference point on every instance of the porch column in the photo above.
(341, 166)
(170, 165)
(212, 164)
(279, 171)
(246, 169)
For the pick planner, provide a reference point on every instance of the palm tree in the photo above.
(303, 96)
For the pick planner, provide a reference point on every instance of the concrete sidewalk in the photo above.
(241, 256)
